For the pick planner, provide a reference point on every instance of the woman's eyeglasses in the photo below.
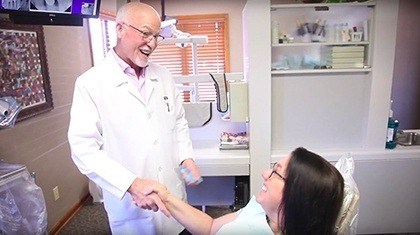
(275, 172)
(148, 36)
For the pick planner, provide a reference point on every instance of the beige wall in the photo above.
(41, 143)
(109, 5)
(195, 7)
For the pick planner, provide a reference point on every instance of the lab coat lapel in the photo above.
(132, 90)
(120, 79)
(151, 83)
(135, 92)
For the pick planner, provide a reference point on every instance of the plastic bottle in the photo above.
(337, 33)
(391, 138)
(345, 33)
(274, 32)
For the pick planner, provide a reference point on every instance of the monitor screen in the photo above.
(83, 8)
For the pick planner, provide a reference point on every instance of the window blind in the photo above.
(211, 58)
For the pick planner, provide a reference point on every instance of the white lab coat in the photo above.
(115, 137)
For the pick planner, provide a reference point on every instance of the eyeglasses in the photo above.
(275, 172)
(147, 35)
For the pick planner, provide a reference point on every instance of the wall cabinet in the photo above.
(321, 38)
(321, 78)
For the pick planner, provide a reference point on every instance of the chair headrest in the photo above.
(347, 220)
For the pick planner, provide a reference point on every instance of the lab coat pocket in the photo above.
(168, 124)
(168, 118)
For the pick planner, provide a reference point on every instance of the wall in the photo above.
(109, 5)
(196, 7)
(41, 143)
(406, 79)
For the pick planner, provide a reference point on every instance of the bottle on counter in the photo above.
(391, 138)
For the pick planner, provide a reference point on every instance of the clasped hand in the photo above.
(151, 195)
(143, 194)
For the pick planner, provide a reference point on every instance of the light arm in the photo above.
(194, 220)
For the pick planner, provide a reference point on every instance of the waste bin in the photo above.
(22, 203)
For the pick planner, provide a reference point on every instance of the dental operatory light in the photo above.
(175, 36)
(170, 32)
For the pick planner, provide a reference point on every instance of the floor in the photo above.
(91, 219)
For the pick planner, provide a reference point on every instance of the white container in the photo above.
(356, 36)
(274, 32)
(329, 33)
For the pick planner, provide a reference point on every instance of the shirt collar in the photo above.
(125, 67)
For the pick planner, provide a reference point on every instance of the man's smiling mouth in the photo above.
(145, 52)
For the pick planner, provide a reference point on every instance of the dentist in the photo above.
(128, 131)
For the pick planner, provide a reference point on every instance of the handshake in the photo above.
(151, 195)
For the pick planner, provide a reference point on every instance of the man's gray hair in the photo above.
(123, 13)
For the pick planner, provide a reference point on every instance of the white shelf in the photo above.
(320, 71)
(308, 5)
(302, 44)
(332, 155)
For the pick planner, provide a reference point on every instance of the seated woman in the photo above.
(302, 194)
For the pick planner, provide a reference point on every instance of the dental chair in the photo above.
(349, 213)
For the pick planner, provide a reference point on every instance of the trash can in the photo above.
(22, 203)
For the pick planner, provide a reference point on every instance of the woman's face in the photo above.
(271, 192)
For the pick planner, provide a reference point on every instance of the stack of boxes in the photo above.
(344, 57)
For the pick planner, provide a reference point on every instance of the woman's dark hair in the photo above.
(312, 196)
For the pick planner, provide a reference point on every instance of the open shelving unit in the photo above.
(320, 108)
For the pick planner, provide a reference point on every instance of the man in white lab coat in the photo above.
(128, 130)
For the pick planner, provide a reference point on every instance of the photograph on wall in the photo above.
(23, 71)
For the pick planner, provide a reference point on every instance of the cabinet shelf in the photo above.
(308, 5)
(320, 71)
(303, 44)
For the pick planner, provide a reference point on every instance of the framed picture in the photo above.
(24, 68)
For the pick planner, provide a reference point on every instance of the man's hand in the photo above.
(191, 167)
(142, 193)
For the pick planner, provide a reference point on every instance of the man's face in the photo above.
(138, 39)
